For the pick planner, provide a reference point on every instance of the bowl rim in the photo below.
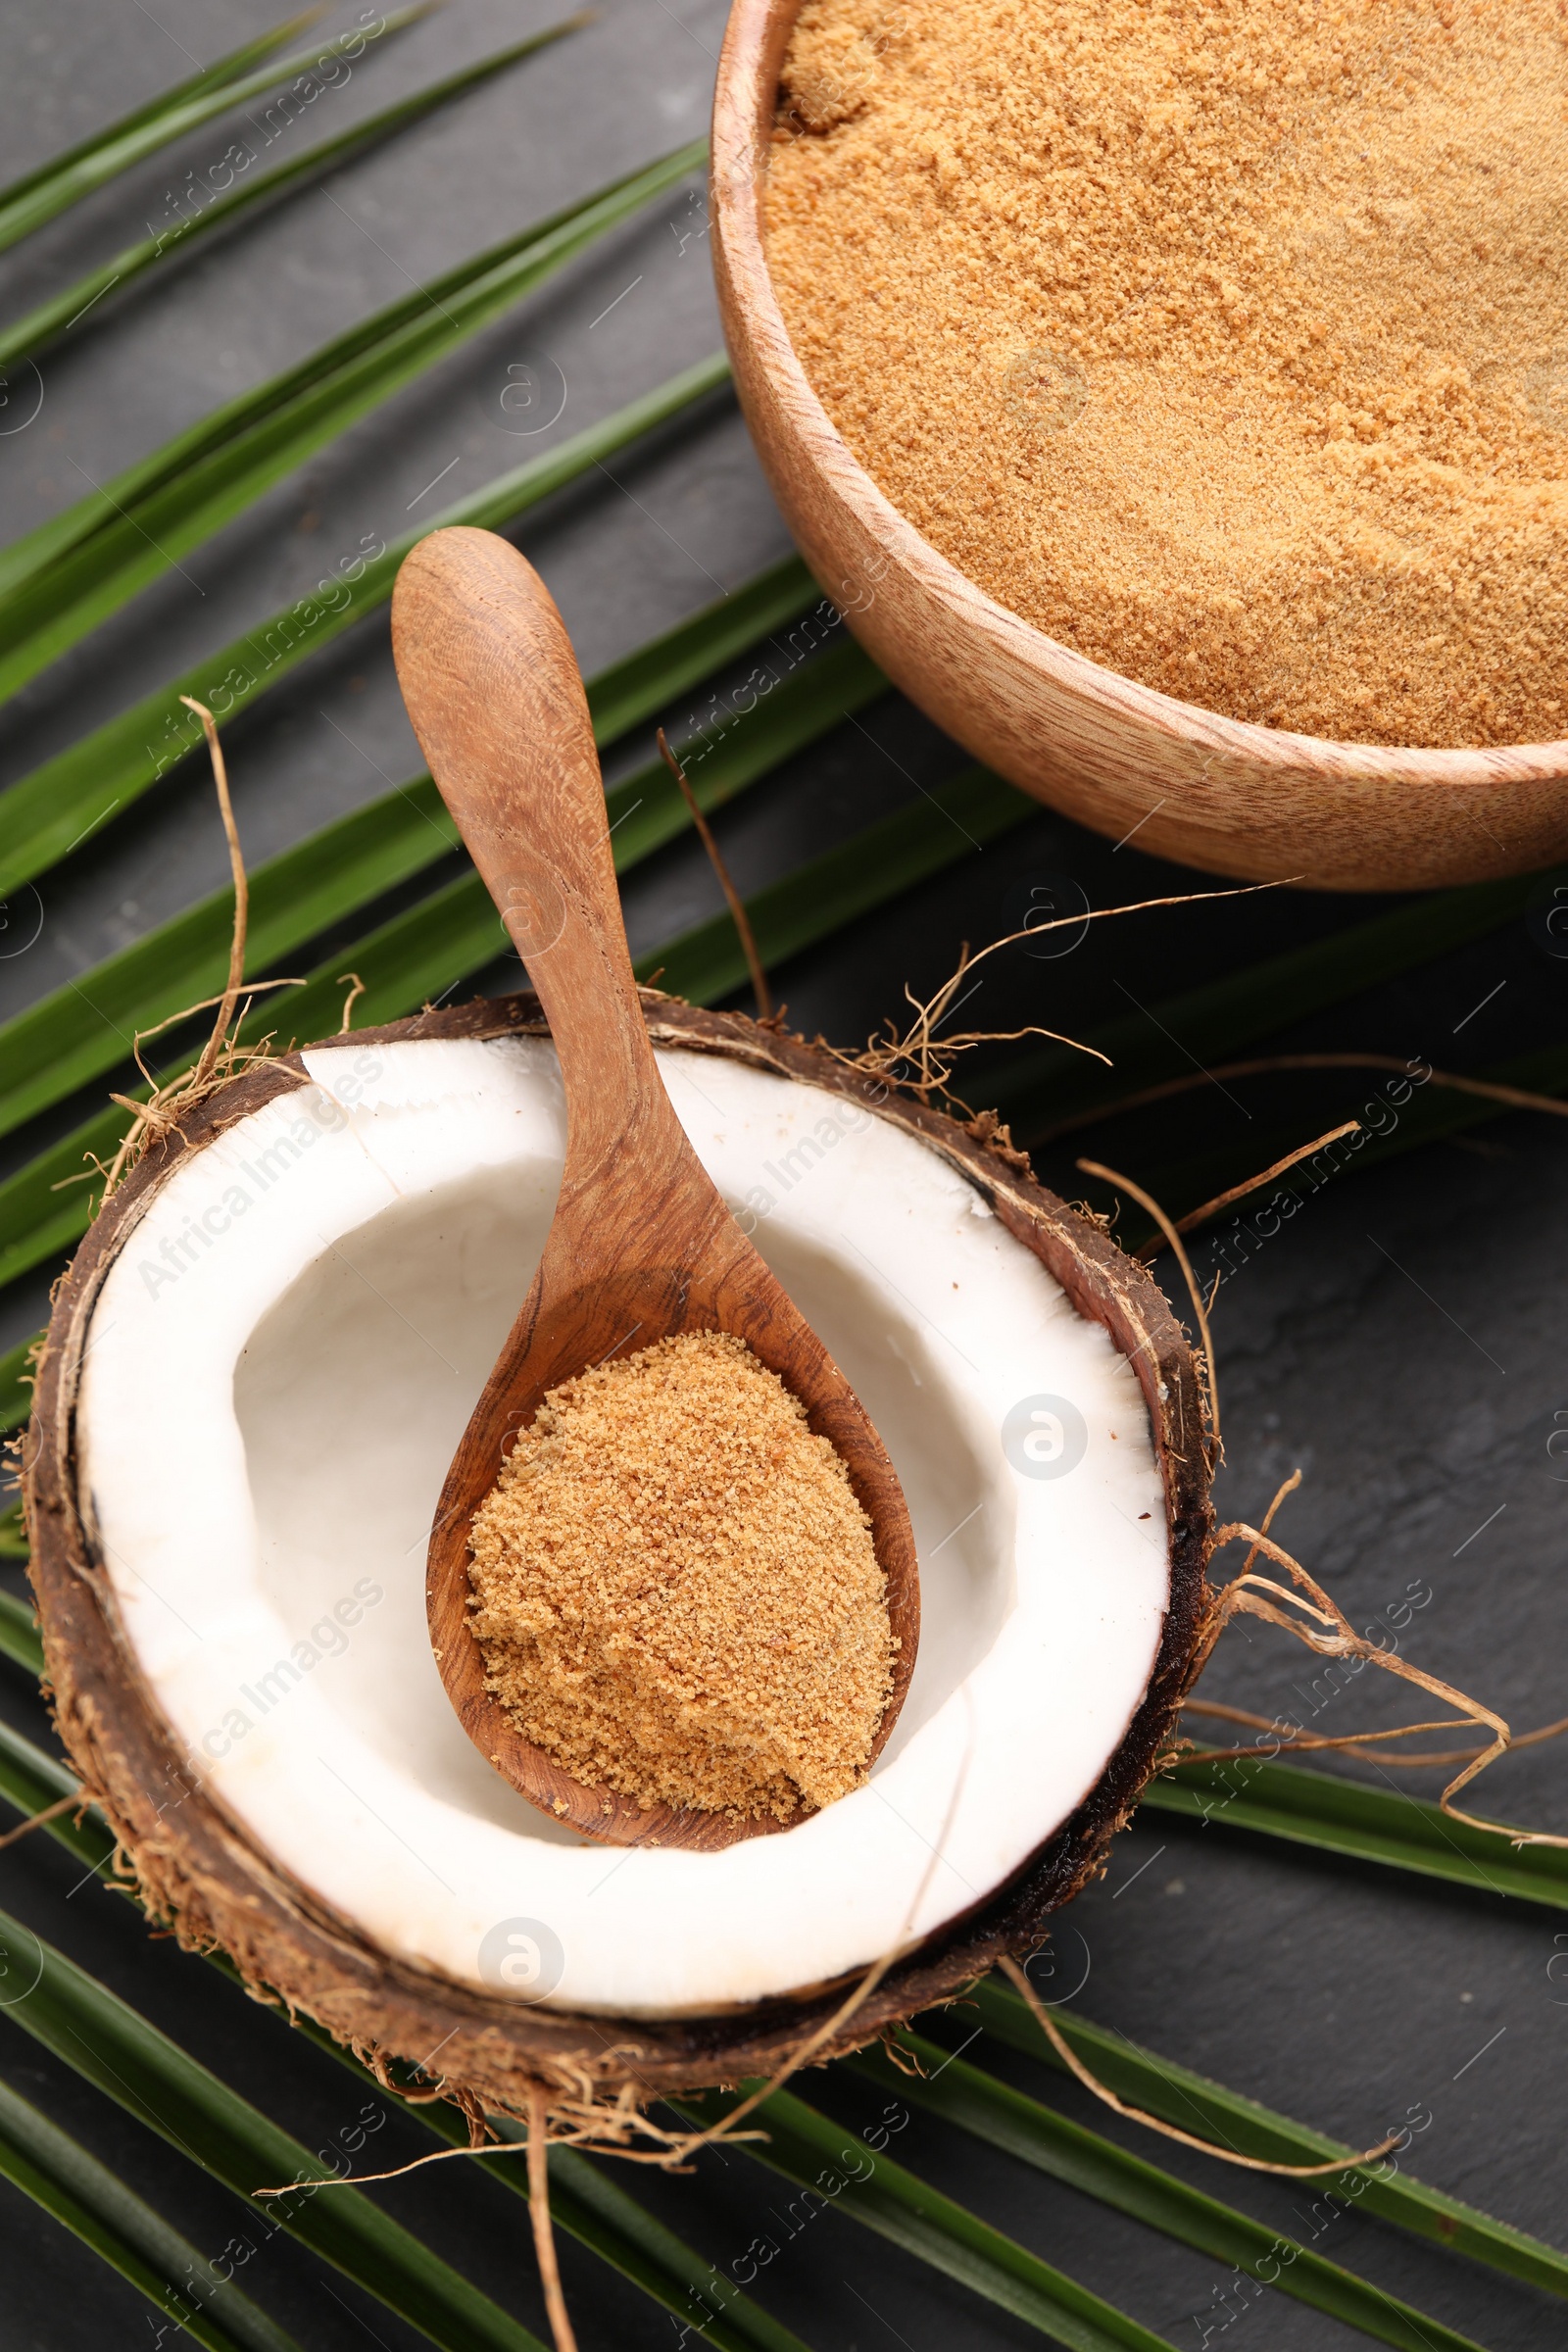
(749, 63)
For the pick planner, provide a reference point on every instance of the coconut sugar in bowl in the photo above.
(883, 405)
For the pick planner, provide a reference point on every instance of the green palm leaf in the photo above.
(646, 809)
(442, 941)
(593, 2208)
(965, 2095)
(26, 204)
(116, 542)
(448, 937)
(1195, 2104)
(51, 811)
(600, 2214)
(19, 1639)
(865, 872)
(85, 1027)
(31, 335)
(26, 560)
(1372, 1825)
(29, 1779)
(583, 2202)
(594, 2200)
(16, 1403)
(1043, 1085)
(455, 932)
(109, 2045)
(810, 2150)
(209, 78)
(40, 2160)
(1430, 1113)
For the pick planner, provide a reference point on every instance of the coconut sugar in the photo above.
(1225, 342)
(675, 1590)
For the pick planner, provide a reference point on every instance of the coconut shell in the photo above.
(205, 1876)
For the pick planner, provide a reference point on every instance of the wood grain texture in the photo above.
(1212, 792)
(201, 1870)
(642, 1246)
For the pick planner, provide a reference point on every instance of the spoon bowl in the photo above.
(642, 1244)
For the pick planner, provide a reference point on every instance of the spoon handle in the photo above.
(493, 689)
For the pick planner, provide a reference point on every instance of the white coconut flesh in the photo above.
(281, 1362)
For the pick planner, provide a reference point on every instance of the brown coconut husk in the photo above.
(203, 1874)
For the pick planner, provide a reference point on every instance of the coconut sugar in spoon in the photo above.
(642, 1246)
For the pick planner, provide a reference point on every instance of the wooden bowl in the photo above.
(1212, 792)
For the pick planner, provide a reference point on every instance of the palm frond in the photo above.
(82, 1029)
(869, 2187)
(1206, 1024)
(84, 565)
(1190, 2100)
(40, 328)
(16, 1396)
(200, 84)
(589, 2206)
(26, 204)
(835, 890)
(448, 937)
(967, 2096)
(599, 2200)
(592, 2206)
(59, 2175)
(621, 698)
(1371, 1824)
(726, 758)
(1434, 1111)
(52, 810)
(29, 1779)
(112, 2046)
(20, 1639)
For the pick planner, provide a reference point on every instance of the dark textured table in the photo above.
(1401, 1338)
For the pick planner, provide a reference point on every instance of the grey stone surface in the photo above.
(1401, 1340)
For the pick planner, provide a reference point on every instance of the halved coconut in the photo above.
(254, 1378)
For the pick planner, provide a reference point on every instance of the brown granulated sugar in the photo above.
(1224, 340)
(675, 1590)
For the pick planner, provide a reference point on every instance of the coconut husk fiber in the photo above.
(203, 1876)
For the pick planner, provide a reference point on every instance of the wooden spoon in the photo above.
(642, 1246)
